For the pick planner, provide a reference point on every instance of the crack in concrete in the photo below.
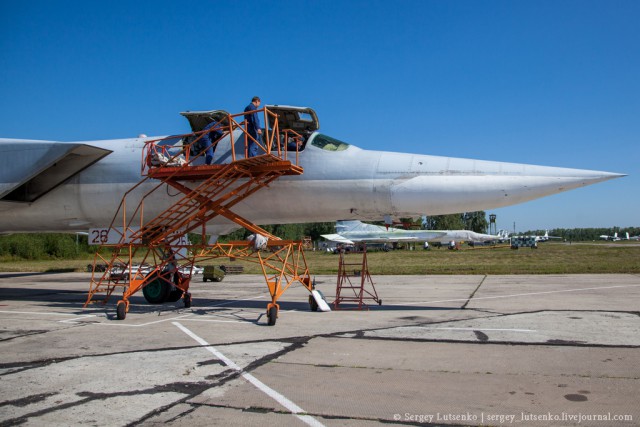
(25, 401)
(515, 374)
(556, 343)
(230, 374)
(474, 292)
(45, 362)
(182, 414)
(360, 334)
(25, 334)
(193, 389)
(265, 410)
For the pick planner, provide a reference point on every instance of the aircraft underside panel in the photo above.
(288, 201)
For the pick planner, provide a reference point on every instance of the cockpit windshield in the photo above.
(327, 143)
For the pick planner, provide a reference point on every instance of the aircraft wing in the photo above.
(337, 238)
(386, 237)
(30, 169)
(422, 237)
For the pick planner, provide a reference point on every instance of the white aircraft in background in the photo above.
(74, 186)
(503, 236)
(546, 237)
(354, 231)
(613, 238)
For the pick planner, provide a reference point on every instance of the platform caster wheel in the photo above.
(187, 300)
(121, 310)
(272, 315)
(312, 303)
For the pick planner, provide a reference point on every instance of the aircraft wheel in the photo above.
(121, 310)
(174, 295)
(272, 315)
(187, 300)
(156, 291)
(379, 302)
(312, 303)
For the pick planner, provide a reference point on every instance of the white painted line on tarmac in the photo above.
(184, 316)
(48, 313)
(517, 295)
(481, 329)
(219, 321)
(295, 409)
(86, 316)
(127, 325)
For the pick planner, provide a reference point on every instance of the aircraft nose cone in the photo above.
(467, 187)
(580, 177)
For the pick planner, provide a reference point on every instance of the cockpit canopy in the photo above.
(199, 119)
(302, 120)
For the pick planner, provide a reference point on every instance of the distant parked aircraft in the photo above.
(613, 238)
(546, 237)
(354, 231)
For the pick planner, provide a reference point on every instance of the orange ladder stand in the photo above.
(166, 256)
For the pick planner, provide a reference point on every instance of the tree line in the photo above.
(72, 246)
(586, 234)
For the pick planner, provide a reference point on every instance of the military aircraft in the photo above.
(354, 231)
(546, 237)
(613, 238)
(74, 186)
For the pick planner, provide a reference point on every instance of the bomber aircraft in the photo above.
(613, 238)
(354, 231)
(75, 186)
(52, 186)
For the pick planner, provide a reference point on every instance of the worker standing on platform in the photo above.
(253, 126)
(207, 140)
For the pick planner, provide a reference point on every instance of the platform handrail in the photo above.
(155, 154)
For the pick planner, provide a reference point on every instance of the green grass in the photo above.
(549, 258)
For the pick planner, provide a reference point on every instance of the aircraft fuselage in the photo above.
(336, 184)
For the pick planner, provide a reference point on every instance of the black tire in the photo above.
(156, 291)
(121, 310)
(187, 300)
(174, 295)
(312, 303)
(272, 316)
(204, 280)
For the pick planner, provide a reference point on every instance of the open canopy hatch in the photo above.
(199, 119)
(300, 119)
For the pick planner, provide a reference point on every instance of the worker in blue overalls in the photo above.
(253, 126)
(208, 138)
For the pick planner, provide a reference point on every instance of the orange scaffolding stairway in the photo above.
(167, 257)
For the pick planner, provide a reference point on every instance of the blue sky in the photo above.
(547, 82)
